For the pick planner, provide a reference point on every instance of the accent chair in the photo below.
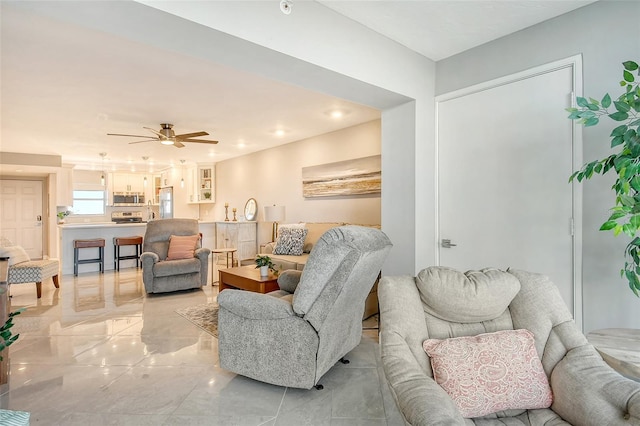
(441, 308)
(292, 336)
(160, 275)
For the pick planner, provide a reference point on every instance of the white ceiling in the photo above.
(438, 29)
(64, 86)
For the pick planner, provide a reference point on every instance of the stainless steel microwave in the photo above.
(128, 198)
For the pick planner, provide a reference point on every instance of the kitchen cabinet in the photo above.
(64, 186)
(203, 189)
(127, 182)
(239, 235)
(156, 184)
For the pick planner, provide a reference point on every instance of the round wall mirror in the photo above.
(251, 209)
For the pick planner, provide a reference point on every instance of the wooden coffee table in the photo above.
(247, 278)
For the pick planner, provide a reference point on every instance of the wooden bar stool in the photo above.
(93, 243)
(126, 241)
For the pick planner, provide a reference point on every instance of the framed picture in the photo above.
(207, 184)
(361, 176)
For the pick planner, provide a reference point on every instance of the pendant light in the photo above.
(144, 181)
(102, 179)
(182, 174)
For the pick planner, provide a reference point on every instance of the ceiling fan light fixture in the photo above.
(166, 142)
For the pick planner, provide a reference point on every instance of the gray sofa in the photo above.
(441, 303)
(160, 275)
(292, 336)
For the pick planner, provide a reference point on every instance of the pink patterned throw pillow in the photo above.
(490, 372)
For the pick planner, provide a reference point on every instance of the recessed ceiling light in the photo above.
(337, 113)
(279, 132)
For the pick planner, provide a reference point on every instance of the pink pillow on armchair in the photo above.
(182, 247)
(490, 372)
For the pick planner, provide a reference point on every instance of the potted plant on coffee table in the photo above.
(265, 264)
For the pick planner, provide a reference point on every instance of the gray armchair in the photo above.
(160, 275)
(292, 336)
(441, 303)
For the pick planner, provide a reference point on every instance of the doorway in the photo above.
(505, 151)
(21, 214)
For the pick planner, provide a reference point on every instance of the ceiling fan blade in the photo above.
(133, 136)
(177, 144)
(148, 140)
(156, 132)
(198, 141)
(192, 135)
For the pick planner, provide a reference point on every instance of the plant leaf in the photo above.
(630, 65)
(628, 77)
(608, 225)
(617, 215)
(606, 101)
(619, 116)
(582, 102)
(617, 141)
(591, 121)
(619, 130)
(621, 106)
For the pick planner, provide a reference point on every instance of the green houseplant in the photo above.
(625, 161)
(265, 262)
(6, 336)
(62, 215)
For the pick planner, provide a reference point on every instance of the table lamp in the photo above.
(274, 214)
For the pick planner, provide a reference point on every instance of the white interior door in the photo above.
(505, 156)
(21, 214)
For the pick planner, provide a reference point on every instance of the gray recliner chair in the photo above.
(160, 275)
(442, 303)
(292, 336)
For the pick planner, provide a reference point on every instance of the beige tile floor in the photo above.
(99, 351)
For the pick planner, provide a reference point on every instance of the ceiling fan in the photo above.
(167, 136)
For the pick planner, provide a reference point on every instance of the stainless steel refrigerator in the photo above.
(166, 202)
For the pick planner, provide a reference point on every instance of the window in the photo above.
(88, 202)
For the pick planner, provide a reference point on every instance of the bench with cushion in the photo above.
(24, 270)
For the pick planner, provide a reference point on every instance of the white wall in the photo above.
(274, 176)
(605, 33)
(328, 52)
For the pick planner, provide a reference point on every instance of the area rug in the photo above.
(204, 316)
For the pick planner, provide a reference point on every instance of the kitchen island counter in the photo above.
(68, 232)
(83, 231)
(80, 225)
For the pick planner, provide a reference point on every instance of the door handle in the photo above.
(39, 218)
(447, 243)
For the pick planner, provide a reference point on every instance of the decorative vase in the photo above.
(264, 271)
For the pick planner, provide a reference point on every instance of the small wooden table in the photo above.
(247, 278)
(214, 258)
(620, 348)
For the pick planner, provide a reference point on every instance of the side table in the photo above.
(620, 348)
(225, 251)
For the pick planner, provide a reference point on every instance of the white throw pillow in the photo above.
(16, 254)
(290, 241)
